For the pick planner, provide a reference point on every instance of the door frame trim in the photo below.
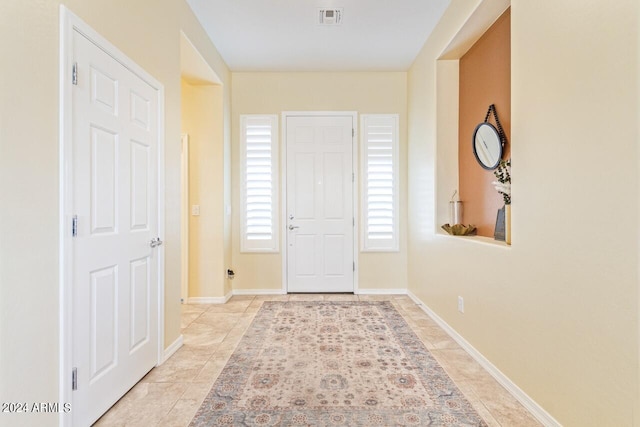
(283, 186)
(68, 23)
(184, 217)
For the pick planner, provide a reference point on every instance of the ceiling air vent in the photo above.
(330, 16)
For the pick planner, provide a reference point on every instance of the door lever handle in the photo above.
(155, 242)
(291, 227)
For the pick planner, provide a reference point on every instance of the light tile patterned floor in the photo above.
(171, 394)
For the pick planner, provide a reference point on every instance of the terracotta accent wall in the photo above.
(485, 79)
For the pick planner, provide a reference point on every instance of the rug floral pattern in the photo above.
(333, 364)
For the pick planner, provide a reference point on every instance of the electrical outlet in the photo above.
(195, 210)
(461, 304)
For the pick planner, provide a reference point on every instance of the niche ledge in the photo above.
(478, 240)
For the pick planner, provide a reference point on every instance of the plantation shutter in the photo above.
(259, 190)
(380, 182)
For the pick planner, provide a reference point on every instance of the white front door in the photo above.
(115, 198)
(320, 222)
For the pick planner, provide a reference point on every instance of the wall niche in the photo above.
(473, 72)
(485, 79)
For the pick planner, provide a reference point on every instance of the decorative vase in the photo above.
(507, 224)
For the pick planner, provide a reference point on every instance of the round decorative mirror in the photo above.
(487, 146)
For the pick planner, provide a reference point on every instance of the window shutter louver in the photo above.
(380, 182)
(259, 183)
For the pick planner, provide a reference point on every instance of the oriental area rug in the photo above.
(333, 364)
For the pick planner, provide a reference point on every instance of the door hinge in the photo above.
(74, 226)
(74, 379)
(354, 266)
(353, 177)
(353, 133)
(353, 222)
(74, 74)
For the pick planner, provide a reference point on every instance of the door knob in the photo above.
(291, 227)
(155, 242)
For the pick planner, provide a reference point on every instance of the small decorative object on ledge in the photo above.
(455, 209)
(507, 224)
(460, 229)
(499, 233)
(455, 226)
(503, 186)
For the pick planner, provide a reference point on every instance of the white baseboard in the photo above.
(283, 292)
(380, 292)
(259, 292)
(532, 406)
(209, 300)
(175, 346)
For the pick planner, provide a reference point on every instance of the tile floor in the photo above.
(171, 394)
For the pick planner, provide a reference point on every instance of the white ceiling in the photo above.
(283, 35)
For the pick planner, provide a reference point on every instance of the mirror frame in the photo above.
(498, 141)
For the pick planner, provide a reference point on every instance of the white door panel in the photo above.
(320, 204)
(104, 313)
(115, 271)
(140, 165)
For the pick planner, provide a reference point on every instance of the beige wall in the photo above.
(148, 32)
(273, 93)
(190, 26)
(202, 120)
(558, 312)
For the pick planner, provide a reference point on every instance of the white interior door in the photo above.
(320, 221)
(115, 198)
